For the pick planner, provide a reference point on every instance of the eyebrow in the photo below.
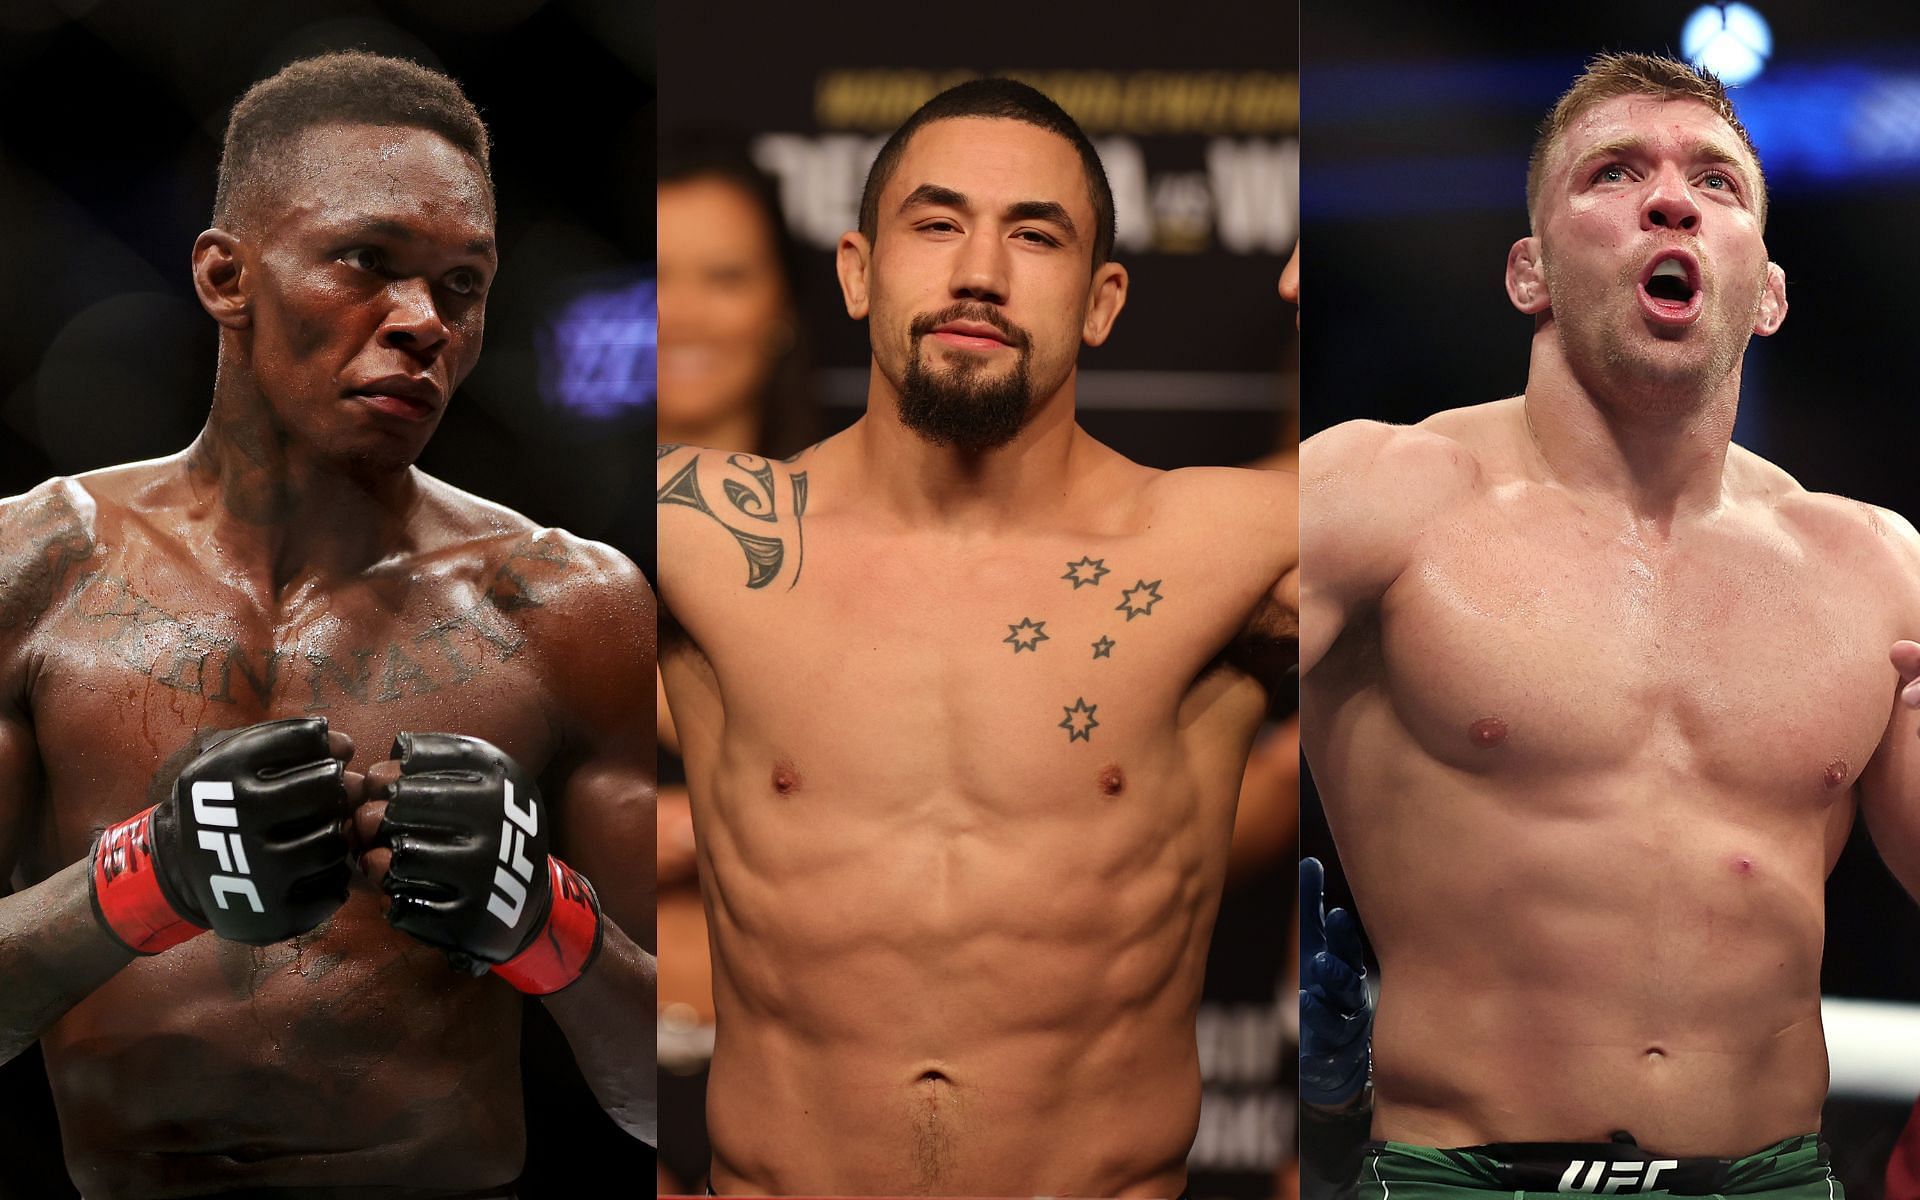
(1712, 152)
(400, 232)
(932, 194)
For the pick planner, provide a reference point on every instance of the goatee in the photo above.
(961, 405)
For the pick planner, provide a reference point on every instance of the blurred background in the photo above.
(111, 114)
(767, 126)
(1419, 121)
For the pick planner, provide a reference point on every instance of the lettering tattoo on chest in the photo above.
(752, 497)
(37, 555)
(188, 656)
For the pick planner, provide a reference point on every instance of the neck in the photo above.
(278, 509)
(939, 484)
(1659, 459)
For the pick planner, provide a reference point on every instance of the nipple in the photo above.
(1487, 732)
(785, 779)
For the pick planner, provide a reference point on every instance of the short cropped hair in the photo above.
(995, 99)
(350, 88)
(1610, 75)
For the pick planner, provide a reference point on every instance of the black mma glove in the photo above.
(471, 872)
(251, 844)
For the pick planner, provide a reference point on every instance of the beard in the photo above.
(963, 405)
(1621, 368)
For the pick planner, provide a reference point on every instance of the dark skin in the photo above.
(292, 562)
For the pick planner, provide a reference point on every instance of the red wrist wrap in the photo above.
(126, 890)
(567, 943)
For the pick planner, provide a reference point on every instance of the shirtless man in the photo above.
(1592, 695)
(291, 573)
(964, 698)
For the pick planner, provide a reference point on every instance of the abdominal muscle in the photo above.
(945, 993)
(1564, 958)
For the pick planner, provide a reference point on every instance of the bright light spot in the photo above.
(1731, 40)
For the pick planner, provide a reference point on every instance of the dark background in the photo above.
(1418, 124)
(1190, 374)
(1201, 368)
(110, 121)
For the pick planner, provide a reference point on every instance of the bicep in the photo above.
(1890, 798)
(607, 833)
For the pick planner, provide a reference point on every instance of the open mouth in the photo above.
(1669, 283)
(1670, 291)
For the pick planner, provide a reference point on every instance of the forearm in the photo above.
(607, 1016)
(53, 954)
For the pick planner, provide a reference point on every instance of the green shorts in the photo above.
(1795, 1169)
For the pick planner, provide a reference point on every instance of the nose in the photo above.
(1669, 202)
(413, 321)
(980, 268)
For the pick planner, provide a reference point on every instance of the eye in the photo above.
(939, 225)
(364, 258)
(463, 282)
(1036, 237)
(1718, 180)
(1611, 173)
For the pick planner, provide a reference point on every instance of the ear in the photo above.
(1773, 302)
(1526, 280)
(220, 280)
(1106, 296)
(853, 260)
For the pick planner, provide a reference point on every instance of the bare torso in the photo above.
(963, 822)
(1587, 785)
(349, 1057)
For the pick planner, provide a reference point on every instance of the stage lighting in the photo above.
(1731, 40)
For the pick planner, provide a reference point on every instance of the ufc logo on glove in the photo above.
(509, 897)
(234, 881)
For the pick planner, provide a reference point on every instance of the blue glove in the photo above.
(1336, 1009)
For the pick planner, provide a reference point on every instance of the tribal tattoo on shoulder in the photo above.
(748, 509)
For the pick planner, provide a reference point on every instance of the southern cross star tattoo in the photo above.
(1027, 625)
(1138, 600)
(1104, 647)
(1077, 732)
(1086, 571)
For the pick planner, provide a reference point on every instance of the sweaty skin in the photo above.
(963, 823)
(352, 1055)
(292, 563)
(1588, 788)
(1592, 695)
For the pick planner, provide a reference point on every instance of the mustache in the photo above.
(986, 314)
